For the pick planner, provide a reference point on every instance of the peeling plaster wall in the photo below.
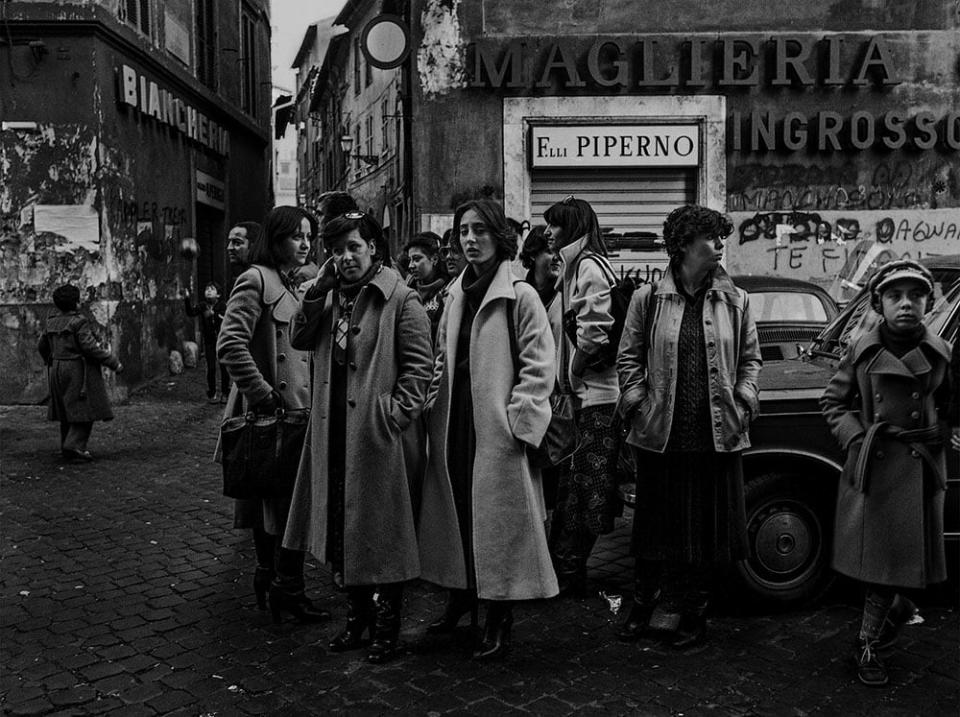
(440, 56)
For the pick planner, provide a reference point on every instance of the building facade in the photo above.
(128, 127)
(828, 131)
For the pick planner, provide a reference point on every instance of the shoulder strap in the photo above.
(604, 265)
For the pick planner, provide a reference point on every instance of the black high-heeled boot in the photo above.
(261, 585)
(496, 632)
(287, 590)
(361, 617)
(386, 633)
(459, 604)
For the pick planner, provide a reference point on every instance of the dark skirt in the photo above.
(690, 508)
(586, 496)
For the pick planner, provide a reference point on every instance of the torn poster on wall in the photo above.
(79, 224)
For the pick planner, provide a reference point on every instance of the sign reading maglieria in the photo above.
(647, 145)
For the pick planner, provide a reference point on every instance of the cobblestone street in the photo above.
(126, 591)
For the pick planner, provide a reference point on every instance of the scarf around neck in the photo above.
(475, 286)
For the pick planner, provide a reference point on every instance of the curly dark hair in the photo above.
(491, 214)
(533, 245)
(368, 227)
(686, 223)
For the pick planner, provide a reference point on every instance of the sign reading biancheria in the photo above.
(146, 96)
(646, 145)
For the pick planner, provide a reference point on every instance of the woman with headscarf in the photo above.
(481, 520)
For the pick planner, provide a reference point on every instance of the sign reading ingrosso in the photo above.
(648, 145)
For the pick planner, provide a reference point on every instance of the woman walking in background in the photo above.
(428, 274)
(73, 357)
(481, 521)
(688, 365)
(372, 362)
(268, 373)
(586, 502)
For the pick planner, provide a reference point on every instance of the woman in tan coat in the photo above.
(372, 361)
(481, 521)
(254, 346)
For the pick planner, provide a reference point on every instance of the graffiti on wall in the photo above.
(931, 183)
(816, 245)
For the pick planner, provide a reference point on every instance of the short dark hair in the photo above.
(577, 219)
(369, 228)
(535, 244)
(66, 297)
(253, 230)
(686, 223)
(428, 241)
(333, 204)
(279, 223)
(491, 214)
(215, 285)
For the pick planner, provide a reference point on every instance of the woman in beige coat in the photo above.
(481, 521)
(254, 347)
(372, 361)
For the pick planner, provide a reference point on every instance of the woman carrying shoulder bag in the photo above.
(481, 520)
(268, 373)
(372, 362)
(586, 504)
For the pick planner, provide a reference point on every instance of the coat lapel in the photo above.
(886, 363)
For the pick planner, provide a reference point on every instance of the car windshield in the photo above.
(786, 306)
(858, 317)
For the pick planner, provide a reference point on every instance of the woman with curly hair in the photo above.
(689, 419)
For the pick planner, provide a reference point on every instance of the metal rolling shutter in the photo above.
(625, 200)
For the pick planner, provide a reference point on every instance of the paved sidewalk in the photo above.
(124, 590)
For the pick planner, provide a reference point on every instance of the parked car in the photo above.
(790, 313)
(794, 462)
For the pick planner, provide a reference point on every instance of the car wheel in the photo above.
(787, 531)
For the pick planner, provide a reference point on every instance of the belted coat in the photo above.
(389, 363)
(885, 411)
(74, 358)
(511, 558)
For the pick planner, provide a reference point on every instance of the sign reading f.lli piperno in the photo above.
(649, 145)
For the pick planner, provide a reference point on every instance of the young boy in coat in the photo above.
(211, 311)
(886, 406)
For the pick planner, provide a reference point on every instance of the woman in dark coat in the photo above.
(267, 372)
(481, 520)
(74, 356)
(688, 364)
(372, 362)
(886, 405)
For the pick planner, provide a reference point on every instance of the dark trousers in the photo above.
(74, 436)
(210, 354)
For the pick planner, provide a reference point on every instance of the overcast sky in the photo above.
(290, 20)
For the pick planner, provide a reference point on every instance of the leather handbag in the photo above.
(562, 438)
(261, 453)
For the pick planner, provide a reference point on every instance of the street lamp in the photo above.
(346, 144)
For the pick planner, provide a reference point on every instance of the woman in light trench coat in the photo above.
(372, 361)
(481, 520)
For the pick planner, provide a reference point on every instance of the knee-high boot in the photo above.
(496, 631)
(287, 590)
(361, 617)
(386, 632)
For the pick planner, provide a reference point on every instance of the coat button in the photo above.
(282, 385)
(281, 358)
(351, 403)
(915, 396)
(915, 414)
(915, 454)
(279, 333)
(355, 330)
(714, 369)
(353, 365)
(710, 344)
(879, 454)
(876, 417)
(879, 398)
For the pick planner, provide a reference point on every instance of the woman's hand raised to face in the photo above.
(326, 281)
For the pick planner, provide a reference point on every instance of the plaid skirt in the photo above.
(690, 508)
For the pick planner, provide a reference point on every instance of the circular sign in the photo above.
(385, 41)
